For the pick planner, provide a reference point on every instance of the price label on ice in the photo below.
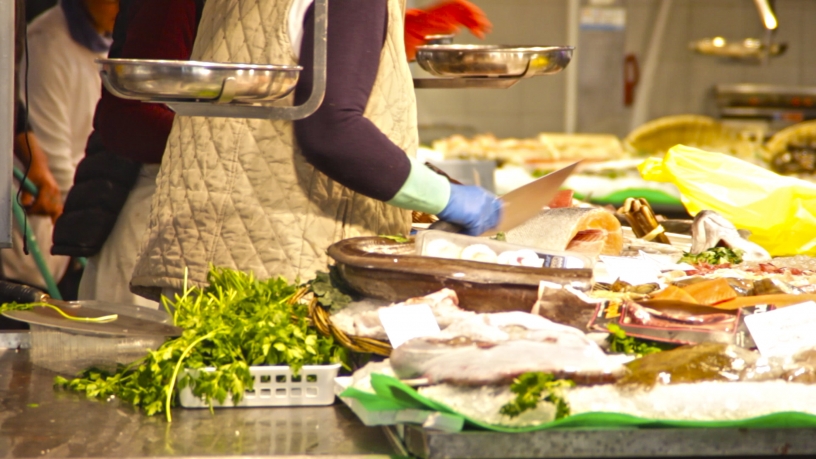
(635, 271)
(403, 323)
(784, 331)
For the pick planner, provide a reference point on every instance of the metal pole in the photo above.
(571, 99)
(640, 113)
(6, 117)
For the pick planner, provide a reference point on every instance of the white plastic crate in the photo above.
(277, 386)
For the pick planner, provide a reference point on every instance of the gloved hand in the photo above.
(472, 207)
(443, 18)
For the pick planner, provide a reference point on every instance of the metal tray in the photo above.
(475, 61)
(382, 268)
(132, 321)
(173, 81)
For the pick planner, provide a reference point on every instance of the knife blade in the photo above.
(526, 202)
(521, 204)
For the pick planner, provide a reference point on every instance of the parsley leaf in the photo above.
(531, 388)
(330, 290)
(619, 342)
(714, 256)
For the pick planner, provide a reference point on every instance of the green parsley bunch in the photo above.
(534, 387)
(234, 323)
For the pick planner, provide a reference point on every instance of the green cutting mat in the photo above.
(653, 196)
(391, 394)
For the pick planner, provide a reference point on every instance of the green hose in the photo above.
(32, 244)
(27, 185)
(19, 216)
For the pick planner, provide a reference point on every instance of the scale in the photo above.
(193, 88)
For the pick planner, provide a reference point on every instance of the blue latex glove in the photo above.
(472, 207)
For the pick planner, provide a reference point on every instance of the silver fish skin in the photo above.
(495, 348)
(710, 229)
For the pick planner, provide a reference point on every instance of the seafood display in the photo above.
(362, 318)
(662, 334)
(440, 244)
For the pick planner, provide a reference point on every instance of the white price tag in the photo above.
(663, 262)
(406, 322)
(635, 271)
(784, 331)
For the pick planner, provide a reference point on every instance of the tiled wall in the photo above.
(683, 81)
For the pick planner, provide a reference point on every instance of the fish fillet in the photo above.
(555, 229)
(589, 242)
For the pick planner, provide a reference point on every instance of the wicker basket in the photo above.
(792, 151)
(322, 321)
(658, 136)
(798, 133)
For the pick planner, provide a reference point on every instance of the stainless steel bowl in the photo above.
(159, 81)
(466, 61)
(439, 39)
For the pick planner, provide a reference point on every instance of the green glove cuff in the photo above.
(424, 190)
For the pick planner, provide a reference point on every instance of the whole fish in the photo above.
(711, 229)
(496, 348)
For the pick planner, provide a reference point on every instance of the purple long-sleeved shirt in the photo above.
(337, 139)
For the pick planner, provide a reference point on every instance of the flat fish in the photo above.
(495, 348)
(478, 364)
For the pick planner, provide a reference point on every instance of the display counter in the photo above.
(37, 421)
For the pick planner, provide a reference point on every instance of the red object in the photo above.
(562, 199)
(631, 77)
(157, 29)
(443, 18)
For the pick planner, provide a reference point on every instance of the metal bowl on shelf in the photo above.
(439, 39)
(473, 61)
(163, 80)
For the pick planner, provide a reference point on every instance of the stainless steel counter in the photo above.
(38, 421)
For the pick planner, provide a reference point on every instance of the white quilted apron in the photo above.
(238, 193)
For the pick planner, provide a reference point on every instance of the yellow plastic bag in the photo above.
(779, 211)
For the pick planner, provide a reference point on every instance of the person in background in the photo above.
(34, 8)
(27, 150)
(61, 87)
(270, 196)
(27, 153)
(63, 78)
(123, 155)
